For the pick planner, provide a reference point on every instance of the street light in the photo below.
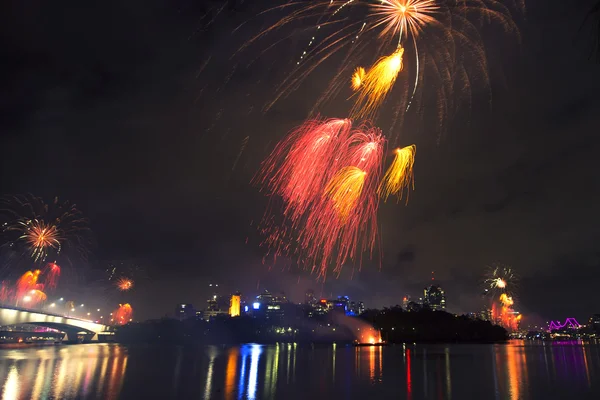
(61, 299)
(88, 313)
(53, 305)
(81, 305)
(98, 310)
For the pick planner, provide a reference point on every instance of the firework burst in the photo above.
(377, 83)
(333, 216)
(44, 230)
(399, 175)
(124, 284)
(301, 164)
(51, 274)
(439, 39)
(500, 279)
(122, 315)
(41, 238)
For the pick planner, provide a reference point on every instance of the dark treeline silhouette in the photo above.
(395, 325)
(399, 326)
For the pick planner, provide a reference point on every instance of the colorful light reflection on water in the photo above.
(519, 370)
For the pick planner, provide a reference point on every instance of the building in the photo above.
(309, 297)
(185, 311)
(235, 305)
(214, 309)
(405, 301)
(341, 304)
(594, 323)
(269, 305)
(434, 298)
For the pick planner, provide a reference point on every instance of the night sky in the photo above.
(143, 114)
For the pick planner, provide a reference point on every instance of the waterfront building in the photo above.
(184, 311)
(235, 304)
(434, 298)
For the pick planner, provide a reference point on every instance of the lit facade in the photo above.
(434, 298)
(235, 305)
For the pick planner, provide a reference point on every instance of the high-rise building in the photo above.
(184, 311)
(309, 297)
(235, 305)
(434, 298)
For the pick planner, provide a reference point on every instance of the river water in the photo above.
(518, 370)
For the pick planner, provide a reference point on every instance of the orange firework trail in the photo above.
(122, 315)
(377, 83)
(345, 189)
(28, 282)
(399, 175)
(358, 77)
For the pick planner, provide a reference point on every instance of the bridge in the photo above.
(75, 329)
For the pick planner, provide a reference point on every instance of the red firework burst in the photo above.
(301, 164)
(51, 274)
(327, 176)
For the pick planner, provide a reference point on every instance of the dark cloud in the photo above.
(139, 113)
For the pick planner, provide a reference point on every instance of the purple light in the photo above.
(569, 323)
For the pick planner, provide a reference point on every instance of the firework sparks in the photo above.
(36, 296)
(124, 284)
(51, 274)
(399, 175)
(27, 282)
(358, 78)
(377, 83)
(41, 237)
(301, 164)
(345, 221)
(44, 229)
(404, 17)
(506, 300)
(345, 189)
(122, 315)
(500, 279)
(334, 208)
(446, 34)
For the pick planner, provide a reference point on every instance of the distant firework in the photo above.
(124, 284)
(44, 230)
(122, 315)
(500, 279)
(500, 284)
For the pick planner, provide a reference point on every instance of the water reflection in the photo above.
(63, 372)
(292, 371)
